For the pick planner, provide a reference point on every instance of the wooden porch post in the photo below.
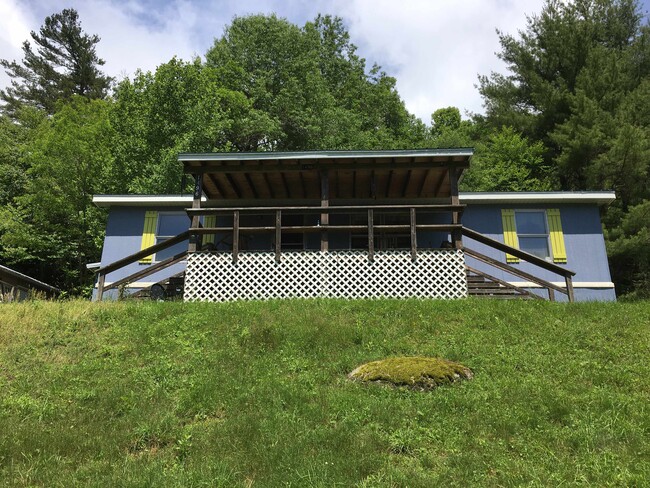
(195, 240)
(278, 235)
(235, 236)
(414, 236)
(371, 235)
(456, 235)
(324, 202)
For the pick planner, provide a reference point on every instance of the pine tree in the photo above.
(64, 63)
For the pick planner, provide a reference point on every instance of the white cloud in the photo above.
(435, 48)
(15, 26)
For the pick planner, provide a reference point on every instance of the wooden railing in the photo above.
(567, 274)
(132, 258)
(370, 227)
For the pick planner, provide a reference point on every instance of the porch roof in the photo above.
(421, 173)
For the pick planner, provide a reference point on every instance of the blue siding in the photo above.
(581, 225)
(583, 238)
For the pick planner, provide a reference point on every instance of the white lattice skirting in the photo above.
(336, 274)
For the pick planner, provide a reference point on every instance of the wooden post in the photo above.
(100, 287)
(371, 235)
(551, 294)
(569, 288)
(195, 240)
(456, 235)
(278, 235)
(414, 237)
(235, 236)
(324, 202)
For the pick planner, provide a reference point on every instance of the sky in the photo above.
(434, 48)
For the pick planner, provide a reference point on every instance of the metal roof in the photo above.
(272, 155)
(597, 197)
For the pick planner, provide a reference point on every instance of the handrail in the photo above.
(148, 270)
(512, 270)
(144, 253)
(120, 263)
(542, 263)
(320, 228)
(321, 209)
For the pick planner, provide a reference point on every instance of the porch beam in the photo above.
(235, 236)
(407, 181)
(456, 236)
(371, 235)
(424, 180)
(414, 242)
(278, 235)
(324, 203)
(250, 184)
(334, 208)
(232, 184)
(439, 183)
(217, 185)
(195, 240)
(320, 228)
(268, 184)
(285, 186)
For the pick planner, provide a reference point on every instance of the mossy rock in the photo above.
(420, 373)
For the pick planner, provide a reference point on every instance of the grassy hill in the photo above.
(256, 394)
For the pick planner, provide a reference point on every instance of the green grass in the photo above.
(256, 394)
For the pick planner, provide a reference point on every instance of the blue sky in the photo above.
(435, 48)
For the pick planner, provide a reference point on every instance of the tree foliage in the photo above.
(313, 83)
(64, 63)
(53, 229)
(579, 83)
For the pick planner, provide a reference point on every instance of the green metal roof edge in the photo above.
(244, 156)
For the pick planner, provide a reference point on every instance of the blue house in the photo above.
(352, 224)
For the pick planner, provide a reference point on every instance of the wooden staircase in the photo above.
(481, 286)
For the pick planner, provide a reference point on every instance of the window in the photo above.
(171, 224)
(538, 232)
(532, 231)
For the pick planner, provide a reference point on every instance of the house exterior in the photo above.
(352, 224)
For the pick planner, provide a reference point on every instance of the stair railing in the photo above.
(567, 274)
(132, 258)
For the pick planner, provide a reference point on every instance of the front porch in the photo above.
(329, 224)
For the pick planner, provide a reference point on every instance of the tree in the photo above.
(52, 230)
(64, 64)
(578, 83)
(628, 247)
(547, 62)
(312, 81)
(507, 161)
(182, 107)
